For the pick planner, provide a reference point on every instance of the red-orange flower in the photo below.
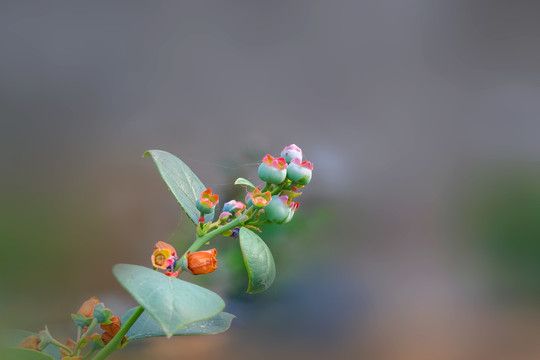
(202, 262)
(111, 330)
(87, 308)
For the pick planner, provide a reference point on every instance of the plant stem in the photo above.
(60, 345)
(89, 354)
(79, 332)
(278, 189)
(113, 344)
(81, 338)
(205, 238)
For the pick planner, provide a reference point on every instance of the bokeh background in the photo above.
(419, 236)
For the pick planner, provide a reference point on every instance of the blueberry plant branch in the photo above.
(169, 306)
(113, 344)
(117, 339)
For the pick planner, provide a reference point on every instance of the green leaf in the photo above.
(259, 261)
(173, 303)
(146, 326)
(183, 183)
(23, 354)
(11, 338)
(242, 181)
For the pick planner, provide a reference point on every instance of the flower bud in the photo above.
(224, 216)
(202, 262)
(260, 199)
(102, 314)
(233, 206)
(45, 338)
(277, 210)
(111, 330)
(87, 308)
(291, 152)
(273, 170)
(293, 206)
(207, 201)
(299, 172)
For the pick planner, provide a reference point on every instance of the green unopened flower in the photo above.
(299, 172)
(273, 170)
(207, 201)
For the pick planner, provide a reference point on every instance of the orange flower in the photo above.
(164, 255)
(87, 308)
(111, 330)
(31, 342)
(202, 262)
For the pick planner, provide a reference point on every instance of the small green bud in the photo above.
(277, 210)
(102, 314)
(273, 170)
(299, 172)
(81, 320)
(45, 338)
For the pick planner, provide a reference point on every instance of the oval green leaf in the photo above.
(11, 338)
(242, 181)
(259, 261)
(146, 326)
(183, 183)
(173, 303)
(23, 354)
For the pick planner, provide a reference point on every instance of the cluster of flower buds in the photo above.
(288, 167)
(283, 176)
(231, 209)
(91, 313)
(93, 309)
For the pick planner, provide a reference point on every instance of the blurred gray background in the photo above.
(419, 236)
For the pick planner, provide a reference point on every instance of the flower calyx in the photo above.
(260, 199)
(206, 203)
